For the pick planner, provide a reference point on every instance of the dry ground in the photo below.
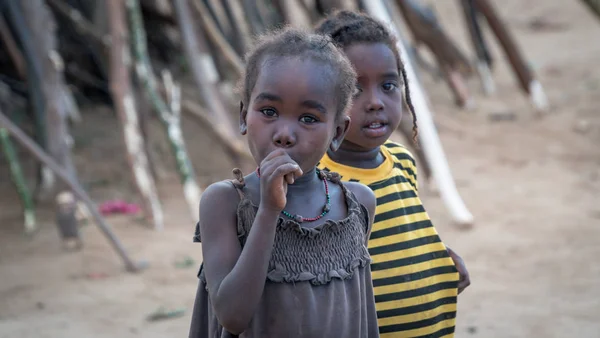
(533, 185)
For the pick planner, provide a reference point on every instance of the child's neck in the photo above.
(365, 159)
(307, 179)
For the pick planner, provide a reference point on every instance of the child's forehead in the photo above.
(287, 62)
(372, 57)
(296, 76)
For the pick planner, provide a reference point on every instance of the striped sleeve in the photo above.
(404, 160)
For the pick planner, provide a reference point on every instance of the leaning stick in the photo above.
(428, 136)
(216, 11)
(25, 36)
(37, 152)
(169, 115)
(202, 64)
(528, 82)
(453, 64)
(252, 13)
(12, 48)
(294, 13)
(16, 170)
(332, 5)
(239, 26)
(19, 180)
(81, 23)
(216, 36)
(233, 146)
(124, 102)
(483, 62)
(594, 6)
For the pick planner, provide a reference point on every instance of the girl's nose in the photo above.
(284, 137)
(374, 103)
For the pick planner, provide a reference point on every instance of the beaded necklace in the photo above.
(326, 207)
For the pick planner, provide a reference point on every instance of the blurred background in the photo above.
(116, 114)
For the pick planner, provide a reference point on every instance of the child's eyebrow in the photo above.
(390, 75)
(311, 104)
(267, 97)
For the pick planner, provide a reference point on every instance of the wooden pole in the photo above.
(234, 145)
(252, 13)
(218, 39)
(427, 133)
(453, 64)
(528, 82)
(239, 26)
(11, 46)
(203, 69)
(169, 115)
(123, 98)
(45, 178)
(483, 60)
(57, 105)
(19, 180)
(330, 6)
(294, 13)
(38, 153)
(594, 6)
(81, 24)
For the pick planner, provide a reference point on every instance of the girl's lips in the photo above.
(375, 130)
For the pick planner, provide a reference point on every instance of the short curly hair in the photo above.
(295, 43)
(348, 28)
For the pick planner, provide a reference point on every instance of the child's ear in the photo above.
(243, 114)
(340, 132)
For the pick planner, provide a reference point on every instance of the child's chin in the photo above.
(376, 133)
(375, 137)
(371, 143)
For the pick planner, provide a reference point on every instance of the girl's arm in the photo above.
(235, 277)
(464, 278)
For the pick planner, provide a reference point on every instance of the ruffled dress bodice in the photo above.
(318, 280)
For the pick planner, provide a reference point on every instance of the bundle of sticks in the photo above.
(61, 54)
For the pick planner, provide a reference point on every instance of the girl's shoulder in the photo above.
(218, 201)
(399, 152)
(227, 192)
(219, 190)
(364, 195)
(220, 198)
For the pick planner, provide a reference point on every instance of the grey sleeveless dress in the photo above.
(318, 282)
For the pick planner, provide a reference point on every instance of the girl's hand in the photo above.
(464, 280)
(277, 170)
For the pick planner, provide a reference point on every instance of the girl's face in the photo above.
(293, 106)
(377, 108)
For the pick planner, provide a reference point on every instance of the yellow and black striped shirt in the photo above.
(414, 278)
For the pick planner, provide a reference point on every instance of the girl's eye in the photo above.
(389, 86)
(357, 92)
(308, 119)
(268, 112)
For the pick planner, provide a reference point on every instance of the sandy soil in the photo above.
(533, 184)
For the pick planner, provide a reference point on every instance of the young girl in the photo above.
(414, 277)
(284, 248)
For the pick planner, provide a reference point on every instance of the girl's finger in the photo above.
(289, 178)
(269, 166)
(285, 169)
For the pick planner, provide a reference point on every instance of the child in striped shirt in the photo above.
(416, 278)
